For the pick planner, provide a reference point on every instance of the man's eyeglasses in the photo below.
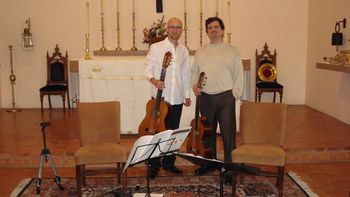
(175, 27)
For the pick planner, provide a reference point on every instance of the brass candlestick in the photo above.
(200, 28)
(13, 80)
(118, 33)
(133, 32)
(87, 47)
(103, 48)
(229, 38)
(185, 28)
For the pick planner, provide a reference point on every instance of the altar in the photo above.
(121, 78)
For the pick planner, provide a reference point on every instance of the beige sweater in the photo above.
(223, 67)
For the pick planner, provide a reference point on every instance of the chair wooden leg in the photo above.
(41, 103)
(125, 180)
(68, 100)
(64, 102)
(256, 95)
(119, 171)
(78, 177)
(83, 174)
(279, 183)
(259, 97)
(281, 96)
(274, 97)
(49, 101)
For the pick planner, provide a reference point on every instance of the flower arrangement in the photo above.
(155, 32)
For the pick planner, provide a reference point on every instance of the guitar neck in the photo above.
(196, 113)
(159, 93)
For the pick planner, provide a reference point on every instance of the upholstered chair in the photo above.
(262, 128)
(99, 126)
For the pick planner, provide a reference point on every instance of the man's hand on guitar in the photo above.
(196, 90)
(157, 83)
(187, 102)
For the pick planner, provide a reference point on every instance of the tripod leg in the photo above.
(38, 180)
(57, 178)
(222, 177)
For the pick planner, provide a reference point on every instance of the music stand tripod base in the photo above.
(46, 155)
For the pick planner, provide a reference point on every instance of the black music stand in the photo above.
(221, 166)
(159, 145)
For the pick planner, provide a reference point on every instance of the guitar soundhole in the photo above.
(150, 130)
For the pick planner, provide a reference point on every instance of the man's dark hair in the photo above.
(212, 19)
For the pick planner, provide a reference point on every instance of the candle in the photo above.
(229, 15)
(133, 6)
(217, 6)
(185, 6)
(88, 17)
(117, 6)
(201, 6)
(101, 6)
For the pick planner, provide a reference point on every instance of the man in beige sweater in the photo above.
(223, 68)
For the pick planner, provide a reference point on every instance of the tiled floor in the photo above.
(309, 133)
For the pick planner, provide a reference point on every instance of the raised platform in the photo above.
(311, 137)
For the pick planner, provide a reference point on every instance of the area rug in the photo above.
(166, 185)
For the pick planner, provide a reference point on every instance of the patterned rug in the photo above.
(166, 185)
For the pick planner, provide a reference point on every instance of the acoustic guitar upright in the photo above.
(156, 109)
(200, 128)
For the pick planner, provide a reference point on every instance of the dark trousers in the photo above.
(172, 121)
(220, 108)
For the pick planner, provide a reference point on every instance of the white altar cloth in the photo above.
(121, 78)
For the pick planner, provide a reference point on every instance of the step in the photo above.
(294, 156)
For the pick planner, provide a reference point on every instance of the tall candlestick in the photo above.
(185, 22)
(229, 15)
(103, 48)
(88, 17)
(13, 82)
(118, 27)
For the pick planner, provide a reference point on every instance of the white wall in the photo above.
(327, 91)
(282, 24)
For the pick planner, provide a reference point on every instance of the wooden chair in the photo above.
(266, 74)
(262, 126)
(57, 78)
(99, 126)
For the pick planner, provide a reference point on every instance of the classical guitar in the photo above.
(200, 128)
(156, 109)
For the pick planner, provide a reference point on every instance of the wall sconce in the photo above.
(337, 37)
(27, 41)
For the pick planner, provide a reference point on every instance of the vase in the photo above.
(156, 39)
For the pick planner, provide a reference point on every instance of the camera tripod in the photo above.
(46, 154)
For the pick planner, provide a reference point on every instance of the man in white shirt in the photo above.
(176, 86)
